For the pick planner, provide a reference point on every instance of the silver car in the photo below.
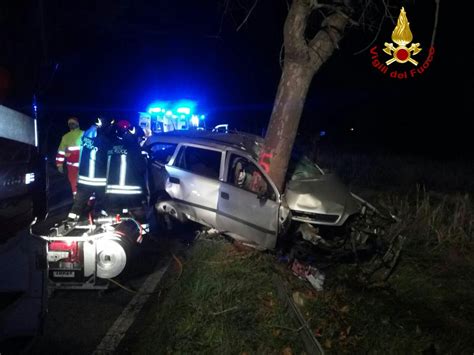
(214, 179)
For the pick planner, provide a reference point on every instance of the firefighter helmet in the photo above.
(122, 127)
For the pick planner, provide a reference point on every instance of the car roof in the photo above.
(239, 140)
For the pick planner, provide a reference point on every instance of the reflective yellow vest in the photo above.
(70, 148)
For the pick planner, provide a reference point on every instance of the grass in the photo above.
(428, 304)
(224, 303)
(420, 310)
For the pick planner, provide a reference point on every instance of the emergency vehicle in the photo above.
(164, 117)
(23, 201)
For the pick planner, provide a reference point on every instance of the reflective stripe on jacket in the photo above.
(126, 168)
(70, 148)
(92, 167)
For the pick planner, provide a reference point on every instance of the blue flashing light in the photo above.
(195, 120)
(157, 106)
(203, 117)
(182, 116)
(169, 113)
(185, 110)
(185, 104)
(322, 133)
(35, 108)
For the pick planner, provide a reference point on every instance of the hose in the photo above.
(180, 265)
(122, 286)
(140, 230)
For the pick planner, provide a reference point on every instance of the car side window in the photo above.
(246, 175)
(200, 161)
(162, 152)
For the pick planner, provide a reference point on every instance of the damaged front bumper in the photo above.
(323, 201)
(370, 238)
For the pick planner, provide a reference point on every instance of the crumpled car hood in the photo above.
(323, 195)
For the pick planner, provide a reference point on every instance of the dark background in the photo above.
(113, 58)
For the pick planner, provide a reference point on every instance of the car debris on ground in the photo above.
(307, 272)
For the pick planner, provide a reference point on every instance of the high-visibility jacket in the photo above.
(93, 159)
(69, 148)
(126, 168)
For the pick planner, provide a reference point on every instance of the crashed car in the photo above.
(214, 179)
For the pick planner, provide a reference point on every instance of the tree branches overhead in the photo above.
(239, 11)
(310, 20)
(248, 15)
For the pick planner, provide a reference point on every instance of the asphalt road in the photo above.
(78, 320)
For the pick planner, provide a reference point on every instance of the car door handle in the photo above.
(225, 195)
(174, 180)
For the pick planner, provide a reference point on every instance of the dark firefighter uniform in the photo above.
(92, 168)
(126, 170)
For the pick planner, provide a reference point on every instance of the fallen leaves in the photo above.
(345, 309)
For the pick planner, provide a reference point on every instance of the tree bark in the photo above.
(283, 126)
(302, 60)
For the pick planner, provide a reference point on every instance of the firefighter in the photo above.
(92, 168)
(126, 171)
(69, 151)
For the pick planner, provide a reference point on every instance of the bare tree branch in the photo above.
(435, 25)
(387, 11)
(337, 9)
(281, 55)
(248, 15)
(226, 7)
(316, 53)
(333, 29)
(294, 31)
(362, 14)
(241, 6)
(374, 39)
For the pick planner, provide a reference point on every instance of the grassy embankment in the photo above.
(428, 305)
(225, 302)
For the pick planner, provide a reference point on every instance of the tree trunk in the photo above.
(303, 59)
(283, 126)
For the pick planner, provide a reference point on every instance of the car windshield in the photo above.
(301, 167)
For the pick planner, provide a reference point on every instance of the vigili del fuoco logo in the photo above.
(401, 52)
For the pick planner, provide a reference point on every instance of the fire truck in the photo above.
(23, 201)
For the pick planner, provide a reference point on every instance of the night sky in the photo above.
(114, 58)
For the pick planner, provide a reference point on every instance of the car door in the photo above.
(160, 154)
(194, 182)
(248, 203)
